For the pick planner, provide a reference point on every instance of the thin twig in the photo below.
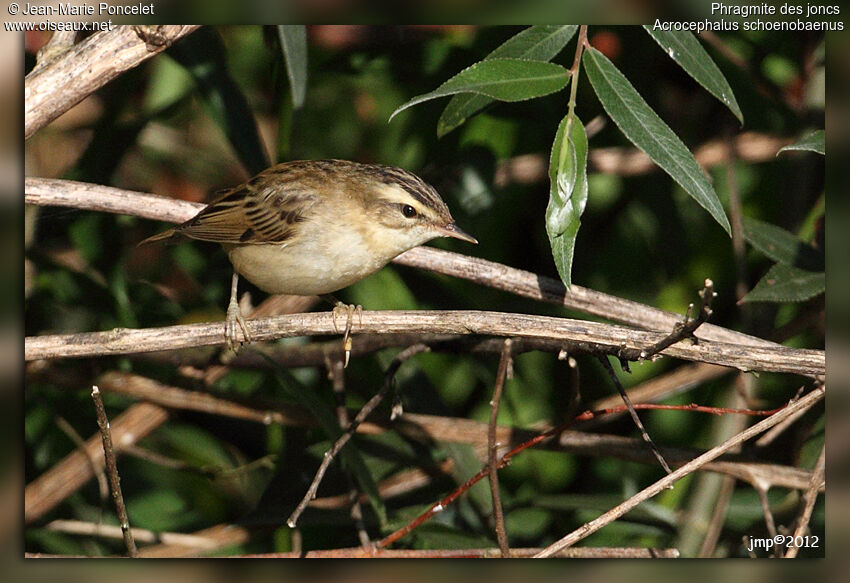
(665, 385)
(112, 472)
(336, 373)
(770, 436)
(681, 330)
(165, 461)
(370, 405)
(493, 449)
(618, 511)
(718, 518)
(809, 499)
(396, 485)
(97, 471)
(267, 461)
(66, 477)
(631, 408)
(769, 521)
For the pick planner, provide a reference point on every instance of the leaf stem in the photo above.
(571, 106)
(582, 42)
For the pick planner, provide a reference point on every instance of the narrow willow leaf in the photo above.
(785, 283)
(813, 142)
(502, 79)
(466, 465)
(203, 56)
(686, 50)
(349, 454)
(782, 246)
(642, 126)
(537, 43)
(567, 193)
(293, 42)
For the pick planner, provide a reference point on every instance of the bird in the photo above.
(313, 227)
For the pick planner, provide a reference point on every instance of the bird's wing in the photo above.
(246, 215)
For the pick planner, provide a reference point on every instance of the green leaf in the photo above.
(782, 246)
(647, 131)
(567, 193)
(293, 42)
(538, 43)
(686, 50)
(813, 142)
(502, 79)
(202, 54)
(350, 455)
(467, 464)
(785, 283)
(528, 523)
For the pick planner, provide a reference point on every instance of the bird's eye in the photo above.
(408, 211)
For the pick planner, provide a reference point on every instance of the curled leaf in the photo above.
(567, 192)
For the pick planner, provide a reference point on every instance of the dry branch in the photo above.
(84, 68)
(577, 335)
(112, 473)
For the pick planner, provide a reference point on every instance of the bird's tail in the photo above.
(169, 236)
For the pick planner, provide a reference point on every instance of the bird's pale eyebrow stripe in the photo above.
(411, 183)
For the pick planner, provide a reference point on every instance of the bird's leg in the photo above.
(348, 310)
(234, 319)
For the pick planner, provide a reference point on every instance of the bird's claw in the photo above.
(235, 322)
(349, 310)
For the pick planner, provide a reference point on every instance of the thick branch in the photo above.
(55, 88)
(577, 335)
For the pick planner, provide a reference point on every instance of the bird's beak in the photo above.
(455, 232)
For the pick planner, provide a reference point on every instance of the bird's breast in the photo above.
(309, 265)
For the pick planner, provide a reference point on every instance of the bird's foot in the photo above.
(348, 310)
(235, 322)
